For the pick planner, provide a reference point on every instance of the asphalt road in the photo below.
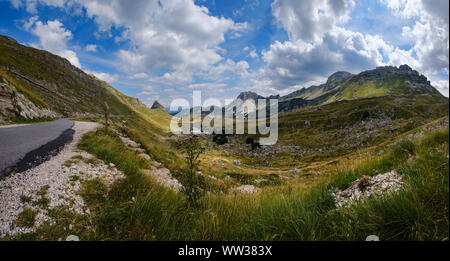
(23, 146)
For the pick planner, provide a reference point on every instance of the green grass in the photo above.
(26, 218)
(137, 209)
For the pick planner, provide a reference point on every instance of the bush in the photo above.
(249, 140)
(193, 183)
(220, 139)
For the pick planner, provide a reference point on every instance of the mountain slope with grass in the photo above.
(54, 86)
(36, 85)
(383, 81)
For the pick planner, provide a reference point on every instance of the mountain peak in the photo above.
(157, 105)
(249, 95)
(337, 78)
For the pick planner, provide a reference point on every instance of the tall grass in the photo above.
(138, 209)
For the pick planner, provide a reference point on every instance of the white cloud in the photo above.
(91, 48)
(107, 77)
(173, 78)
(141, 75)
(239, 68)
(441, 85)
(292, 64)
(53, 37)
(31, 5)
(176, 35)
(147, 93)
(207, 85)
(429, 35)
(253, 54)
(318, 44)
(309, 20)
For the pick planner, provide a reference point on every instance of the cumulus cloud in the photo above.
(53, 37)
(168, 34)
(429, 35)
(300, 63)
(310, 20)
(91, 48)
(173, 78)
(319, 45)
(141, 75)
(239, 68)
(441, 85)
(178, 36)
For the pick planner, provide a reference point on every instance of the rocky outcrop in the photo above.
(315, 91)
(157, 105)
(337, 78)
(383, 73)
(249, 95)
(367, 187)
(15, 104)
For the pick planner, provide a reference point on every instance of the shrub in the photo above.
(193, 183)
(220, 139)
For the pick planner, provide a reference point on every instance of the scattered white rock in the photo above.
(372, 238)
(160, 174)
(236, 162)
(292, 171)
(72, 238)
(164, 177)
(257, 181)
(249, 189)
(366, 187)
(145, 156)
(63, 183)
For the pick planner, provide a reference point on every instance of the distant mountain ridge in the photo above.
(341, 85)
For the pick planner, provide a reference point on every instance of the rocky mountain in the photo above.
(382, 81)
(37, 84)
(249, 95)
(340, 86)
(315, 91)
(157, 105)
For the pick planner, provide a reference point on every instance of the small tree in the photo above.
(193, 183)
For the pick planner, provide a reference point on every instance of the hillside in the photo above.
(315, 91)
(382, 81)
(37, 84)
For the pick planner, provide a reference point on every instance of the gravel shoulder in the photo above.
(56, 177)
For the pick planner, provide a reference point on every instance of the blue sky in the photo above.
(166, 49)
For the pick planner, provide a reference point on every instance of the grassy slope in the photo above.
(358, 123)
(138, 209)
(66, 89)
